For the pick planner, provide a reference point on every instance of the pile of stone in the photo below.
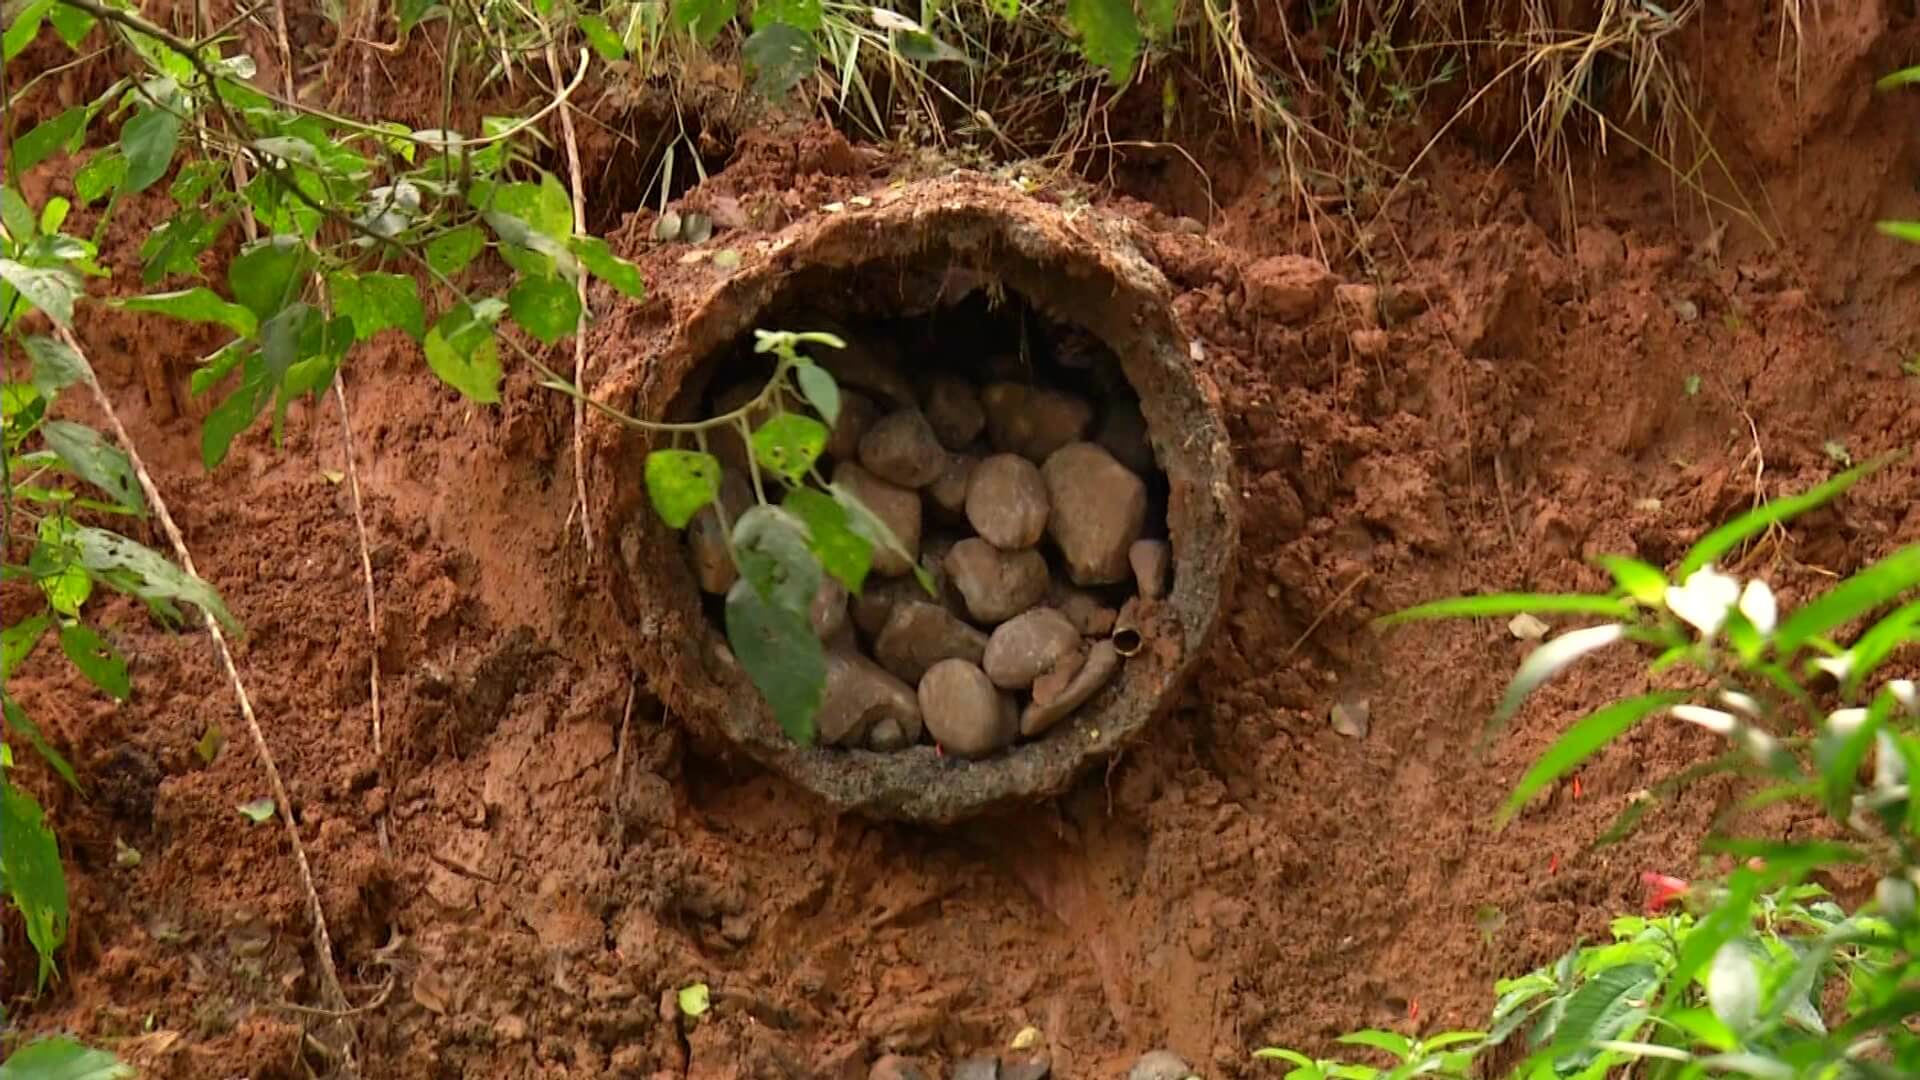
(1028, 507)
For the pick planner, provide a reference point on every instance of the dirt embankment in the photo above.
(1488, 392)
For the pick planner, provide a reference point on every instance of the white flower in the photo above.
(1844, 722)
(1720, 723)
(1836, 666)
(1760, 746)
(1739, 702)
(1760, 608)
(1905, 693)
(1704, 599)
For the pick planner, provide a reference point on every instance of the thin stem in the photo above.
(191, 51)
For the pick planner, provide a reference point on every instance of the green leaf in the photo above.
(601, 37)
(148, 141)
(16, 217)
(199, 304)
(18, 720)
(100, 662)
(602, 263)
(1494, 604)
(71, 23)
(1872, 648)
(413, 12)
(17, 642)
(461, 350)
(67, 589)
(50, 137)
(693, 999)
(1729, 536)
(96, 461)
(821, 392)
(451, 251)
(1606, 1006)
(1638, 580)
(789, 444)
(50, 289)
(806, 15)
(1877, 585)
(547, 307)
(55, 365)
(842, 552)
(777, 647)
(259, 811)
(1159, 16)
(176, 246)
(865, 523)
(60, 1058)
(24, 27)
(376, 302)
(1903, 77)
(267, 276)
(104, 171)
(1549, 659)
(774, 558)
(705, 18)
(1582, 741)
(680, 482)
(54, 214)
(30, 866)
(142, 571)
(1900, 230)
(238, 412)
(779, 56)
(1109, 35)
(1389, 1041)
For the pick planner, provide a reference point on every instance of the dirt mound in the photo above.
(1479, 398)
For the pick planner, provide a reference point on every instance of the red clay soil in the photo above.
(560, 858)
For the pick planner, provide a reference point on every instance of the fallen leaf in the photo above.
(1527, 627)
(726, 259)
(694, 999)
(333, 476)
(1353, 718)
(259, 811)
(210, 744)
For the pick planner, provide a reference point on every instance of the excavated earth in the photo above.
(1500, 379)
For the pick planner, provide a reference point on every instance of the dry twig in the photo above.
(323, 941)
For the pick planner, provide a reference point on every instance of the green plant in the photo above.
(58, 478)
(1736, 992)
(781, 551)
(1735, 985)
(1445, 1056)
